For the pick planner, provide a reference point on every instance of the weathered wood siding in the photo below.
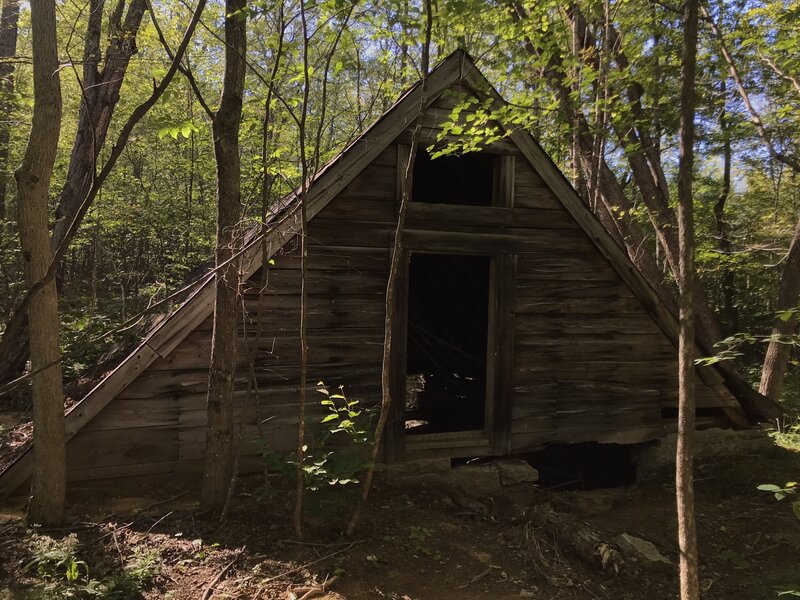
(588, 362)
(156, 426)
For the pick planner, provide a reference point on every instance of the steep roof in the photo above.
(284, 223)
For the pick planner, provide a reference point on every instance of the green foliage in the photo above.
(788, 436)
(789, 489)
(339, 453)
(63, 575)
(55, 560)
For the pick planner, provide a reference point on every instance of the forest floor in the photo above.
(420, 539)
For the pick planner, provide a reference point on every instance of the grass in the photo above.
(788, 436)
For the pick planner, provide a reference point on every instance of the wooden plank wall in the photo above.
(156, 426)
(590, 364)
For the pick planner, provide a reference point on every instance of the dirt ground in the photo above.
(436, 536)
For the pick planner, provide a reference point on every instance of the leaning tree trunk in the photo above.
(9, 16)
(684, 460)
(772, 374)
(219, 433)
(33, 184)
(98, 103)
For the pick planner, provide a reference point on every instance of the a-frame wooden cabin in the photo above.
(520, 322)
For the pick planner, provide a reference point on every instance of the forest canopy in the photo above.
(596, 83)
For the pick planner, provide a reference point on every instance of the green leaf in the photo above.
(330, 418)
(769, 487)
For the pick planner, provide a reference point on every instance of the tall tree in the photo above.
(394, 274)
(100, 92)
(777, 356)
(33, 186)
(9, 17)
(225, 127)
(684, 460)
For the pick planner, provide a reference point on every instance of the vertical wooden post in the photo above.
(500, 351)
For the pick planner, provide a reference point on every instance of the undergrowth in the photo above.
(59, 572)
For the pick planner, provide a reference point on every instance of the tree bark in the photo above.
(394, 272)
(723, 234)
(33, 184)
(684, 459)
(777, 357)
(9, 17)
(100, 96)
(778, 350)
(225, 127)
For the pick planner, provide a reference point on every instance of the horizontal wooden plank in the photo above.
(567, 306)
(557, 290)
(195, 351)
(105, 448)
(375, 182)
(124, 413)
(457, 243)
(532, 268)
(448, 217)
(585, 324)
(77, 473)
(361, 208)
(346, 256)
(331, 231)
(282, 282)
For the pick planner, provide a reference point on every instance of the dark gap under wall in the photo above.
(585, 466)
(448, 311)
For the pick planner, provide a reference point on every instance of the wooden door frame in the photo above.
(500, 331)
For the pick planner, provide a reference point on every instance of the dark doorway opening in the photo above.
(464, 180)
(448, 314)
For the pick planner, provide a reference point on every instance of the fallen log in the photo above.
(577, 537)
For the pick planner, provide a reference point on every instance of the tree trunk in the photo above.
(684, 459)
(100, 97)
(774, 369)
(225, 127)
(33, 185)
(394, 273)
(724, 242)
(8, 48)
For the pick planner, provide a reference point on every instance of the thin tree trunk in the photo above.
(225, 127)
(13, 342)
(33, 185)
(391, 286)
(777, 357)
(301, 416)
(100, 96)
(684, 459)
(723, 234)
(8, 48)
(778, 350)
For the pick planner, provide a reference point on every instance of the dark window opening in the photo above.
(463, 180)
(585, 466)
(448, 312)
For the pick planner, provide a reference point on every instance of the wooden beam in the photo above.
(455, 242)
